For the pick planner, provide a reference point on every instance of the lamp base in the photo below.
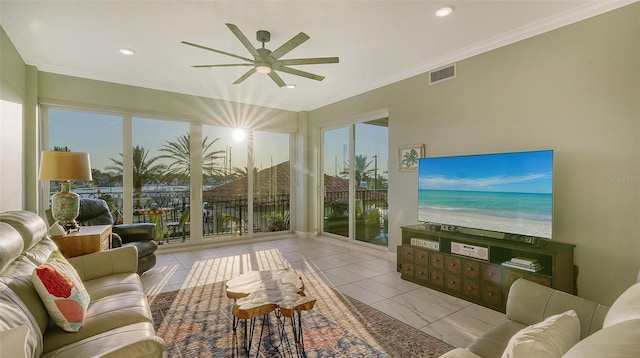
(65, 206)
(70, 226)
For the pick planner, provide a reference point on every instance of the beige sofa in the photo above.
(118, 321)
(604, 332)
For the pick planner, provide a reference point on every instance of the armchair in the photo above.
(96, 212)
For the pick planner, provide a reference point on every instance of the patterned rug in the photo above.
(197, 322)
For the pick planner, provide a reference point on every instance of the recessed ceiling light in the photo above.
(127, 51)
(444, 11)
(291, 85)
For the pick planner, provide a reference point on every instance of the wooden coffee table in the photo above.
(259, 293)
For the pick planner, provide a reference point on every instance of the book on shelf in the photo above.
(524, 260)
(530, 268)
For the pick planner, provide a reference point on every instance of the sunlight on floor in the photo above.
(332, 272)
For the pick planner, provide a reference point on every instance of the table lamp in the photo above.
(65, 167)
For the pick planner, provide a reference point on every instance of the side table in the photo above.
(257, 294)
(87, 240)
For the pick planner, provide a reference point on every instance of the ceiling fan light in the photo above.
(444, 11)
(264, 69)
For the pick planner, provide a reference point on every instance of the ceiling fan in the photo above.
(266, 61)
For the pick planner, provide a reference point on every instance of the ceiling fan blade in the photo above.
(218, 51)
(296, 41)
(224, 65)
(293, 71)
(245, 76)
(277, 79)
(236, 31)
(310, 61)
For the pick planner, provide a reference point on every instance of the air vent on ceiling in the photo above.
(443, 73)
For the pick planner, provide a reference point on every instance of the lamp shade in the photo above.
(65, 166)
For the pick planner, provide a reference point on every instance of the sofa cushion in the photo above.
(30, 226)
(494, 342)
(62, 292)
(543, 302)
(17, 277)
(619, 340)
(12, 245)
(552, 337)
(134, 340)
(14, 314)
(14, 342)
(625, 307)
(112, 306)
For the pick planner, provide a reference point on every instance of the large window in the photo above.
(271, 188)
(225, 190)
(161, 176)
(144, 168)
(101, 136)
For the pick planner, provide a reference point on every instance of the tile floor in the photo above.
(364, 276)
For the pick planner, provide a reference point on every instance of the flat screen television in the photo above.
(508, 193)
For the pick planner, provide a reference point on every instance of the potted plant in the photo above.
(275, 222)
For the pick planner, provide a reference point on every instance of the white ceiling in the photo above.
(378, 42)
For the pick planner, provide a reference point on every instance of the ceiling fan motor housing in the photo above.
(263, 36)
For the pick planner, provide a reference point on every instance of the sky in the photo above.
(370, 140)
(524, 172)
(101, 136)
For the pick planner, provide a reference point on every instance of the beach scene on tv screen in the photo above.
(508, 192)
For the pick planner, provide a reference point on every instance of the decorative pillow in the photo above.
(552, 337)
(62, 292)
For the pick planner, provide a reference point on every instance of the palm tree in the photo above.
(144, 170)
(179, 152)
(361, 171)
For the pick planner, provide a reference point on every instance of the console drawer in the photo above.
(436, 260)
(471, 269)
(421, 273)
(471, 288)
(453, 282)
(453, 264)
(407, 270)
(436, 278)
(406, 253)
(491, 294)
(421, 257)
(491, 273)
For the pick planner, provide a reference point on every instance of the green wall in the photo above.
(575, 90)
(13, 76)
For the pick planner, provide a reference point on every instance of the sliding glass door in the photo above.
(336, 181)
(355, 172)
(370, 181)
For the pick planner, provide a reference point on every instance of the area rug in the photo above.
(197, 322)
